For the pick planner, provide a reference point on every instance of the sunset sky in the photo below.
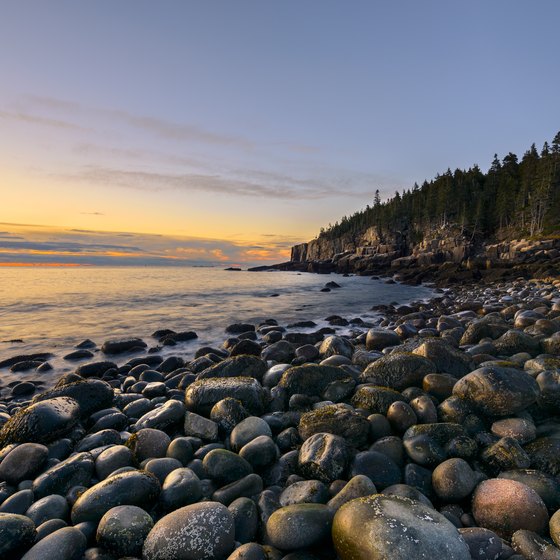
(225, 132)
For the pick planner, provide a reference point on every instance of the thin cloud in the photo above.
(92, 213)
(154, 182)
(40, 120)
(155, 125)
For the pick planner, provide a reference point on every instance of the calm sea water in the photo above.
(55, 309)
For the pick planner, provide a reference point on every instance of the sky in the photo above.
(176, 132)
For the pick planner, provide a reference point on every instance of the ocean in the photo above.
(53, 309)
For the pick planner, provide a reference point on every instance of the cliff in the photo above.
(432, 254)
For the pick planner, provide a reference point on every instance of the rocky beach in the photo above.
(431, 430)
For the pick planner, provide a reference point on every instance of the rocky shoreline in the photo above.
(433, 430)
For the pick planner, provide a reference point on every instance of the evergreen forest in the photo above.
(515, 198)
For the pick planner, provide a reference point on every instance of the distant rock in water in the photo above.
(123, 345)
(233, 268)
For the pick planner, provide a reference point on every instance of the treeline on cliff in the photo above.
(519, 197)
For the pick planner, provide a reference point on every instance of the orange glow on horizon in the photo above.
(20, 264)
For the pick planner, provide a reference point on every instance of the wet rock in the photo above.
(180, 488)
(245, 518)
(376, 400)
(549, 397)
(41, 422)
(23, 463)
(67, 543)
(545, 455)
(249, 551)
(95, 369)
(338, 420)
(91, 395)
(533, 547)
(505, 506)
(378, 339)
(358, 486)
(506, 453)
(121, 346)
(99, 439)
(247, 430)
(148, 443)
(281, 351)
(382, 526)
(378, 467)
(336, 346)
(17, 533)
(236, 366)
(259, 452)
(47, 508)
(17, 503)
(203, 394)
(497, 391)
(398, 370)
(123, 529)
(454, 480)
(426, 444)
(227, 413)
(323, 457)
(248, 486)
(299, 526)
(514, 341)
(171, 413)
(225, 466)
(521, 429)
(310, 379)
(135, 488)
(200, 427)
(196, 532)
(445, 357)
(116, 457)
(483, 543)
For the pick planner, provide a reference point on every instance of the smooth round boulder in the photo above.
(91, 395)
(398, 370)
(23, 463)
(123, 529)
(379, 527)
(378, 339)
(180, 488)
(497, 391)
(196, 532)
(17, 532)
(77, 470)
(41, 422)
(247, 430)
(299, 526)
(505, 506)
(453, 480)
(134, 488)
(225, 466)
(67, 543)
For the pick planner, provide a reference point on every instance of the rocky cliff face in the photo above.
(375, 251)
